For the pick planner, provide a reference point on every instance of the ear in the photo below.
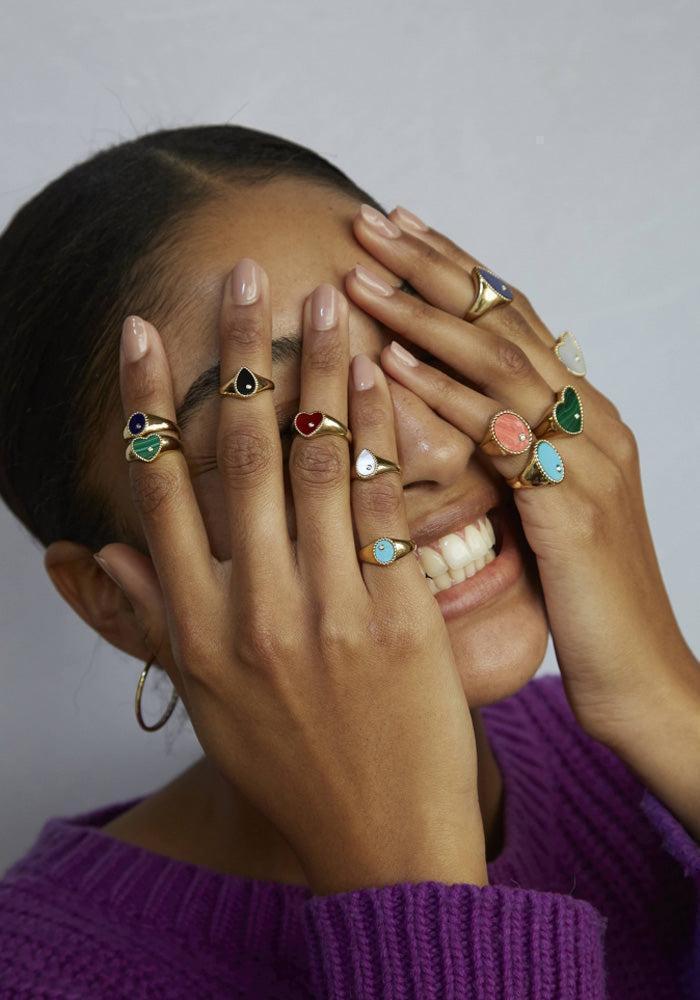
(97, 598)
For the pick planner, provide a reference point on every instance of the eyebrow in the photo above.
(284, 349)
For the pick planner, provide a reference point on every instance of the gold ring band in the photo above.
(145, 423)
(317, 423)
(148, 447)
(490, 291)
(245, 383)
(384, 551)
(367, 465)
(545, 468)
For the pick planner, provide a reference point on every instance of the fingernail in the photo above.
(245, 282)
(134, 338)
(324, 307)
(362, 372)
(402, 355)
(103, 563)
(410, 220)
(379, 222)
(372, 281)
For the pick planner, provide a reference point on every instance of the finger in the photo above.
(455, 253)
(162, 488)
(497, 366)
(319, 467)
(249, 450)
(378, 502)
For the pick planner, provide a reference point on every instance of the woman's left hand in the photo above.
(620, 651)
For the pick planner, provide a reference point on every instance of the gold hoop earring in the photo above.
(139, 689)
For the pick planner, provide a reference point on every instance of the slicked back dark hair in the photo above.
(87, 250)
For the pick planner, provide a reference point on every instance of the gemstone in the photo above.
(384, 551)
(550, 461)
(308, 423)
(511, 432)
(365, 464)
(146, 448)
(570, 354)
(568, 412)
(498, 284)
(245, 382)
(137, 422)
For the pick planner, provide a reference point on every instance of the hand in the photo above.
(619, 648)
(324, 689)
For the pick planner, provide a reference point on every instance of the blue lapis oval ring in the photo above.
(148, 423)
(545, 468)
(384, 551)
(490, 291)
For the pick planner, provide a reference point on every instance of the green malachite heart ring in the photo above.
(245, 383)
(565, 416)
(490, 291)
(569, 352)
(149, 446)
(545, 468)
(145, 423)
(368, 465)
(384, 550)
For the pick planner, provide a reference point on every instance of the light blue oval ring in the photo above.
(384, 551)
(551, 462)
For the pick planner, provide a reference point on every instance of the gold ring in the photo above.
(384, 551)
(507, 434)
(545, 468)
(569, 352)
(564, 417)
(368, 465)
(311, 424)
(490, 291)
(149, 446)
(245, 383)
(144, 423)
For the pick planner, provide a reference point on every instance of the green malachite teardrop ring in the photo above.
(564, 417)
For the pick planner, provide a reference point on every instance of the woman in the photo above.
(362, 482)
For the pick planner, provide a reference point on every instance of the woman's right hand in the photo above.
(323, 688)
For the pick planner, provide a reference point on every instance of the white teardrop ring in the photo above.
(367, 465)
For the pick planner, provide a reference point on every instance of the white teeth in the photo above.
(431, 561)
(462, 554)
(454, 551)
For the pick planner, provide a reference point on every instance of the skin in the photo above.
(304, 235)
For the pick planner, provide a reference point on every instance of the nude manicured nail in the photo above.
(379, 222)
(134, 338)
(372, 281)
(245, 282)
(402, 355)
(410, 220)
(324, 307)
(362, 372)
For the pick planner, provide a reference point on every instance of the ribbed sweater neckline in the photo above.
(261, 917)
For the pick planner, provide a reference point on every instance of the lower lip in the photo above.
(490, 582)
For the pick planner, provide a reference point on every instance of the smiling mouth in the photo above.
(460, 554)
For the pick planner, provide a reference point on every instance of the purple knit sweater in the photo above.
(595, 894)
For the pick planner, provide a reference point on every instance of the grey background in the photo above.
(557, 140)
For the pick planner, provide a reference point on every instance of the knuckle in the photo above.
(145, 382)
(512, 361)
(626, 443)
(333, 637)
(243, 453)
(327, 355)
(263, 644)
(379, 498)
(373, 415)
(242, 328)
(317, 463)
(154, 489)
(399, 632)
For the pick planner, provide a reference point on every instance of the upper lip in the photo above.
(462, 511)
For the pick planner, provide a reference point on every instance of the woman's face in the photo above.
(301, 233)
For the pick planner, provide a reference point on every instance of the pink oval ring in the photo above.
(510, 432)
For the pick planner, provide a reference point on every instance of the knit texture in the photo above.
(594, 894)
